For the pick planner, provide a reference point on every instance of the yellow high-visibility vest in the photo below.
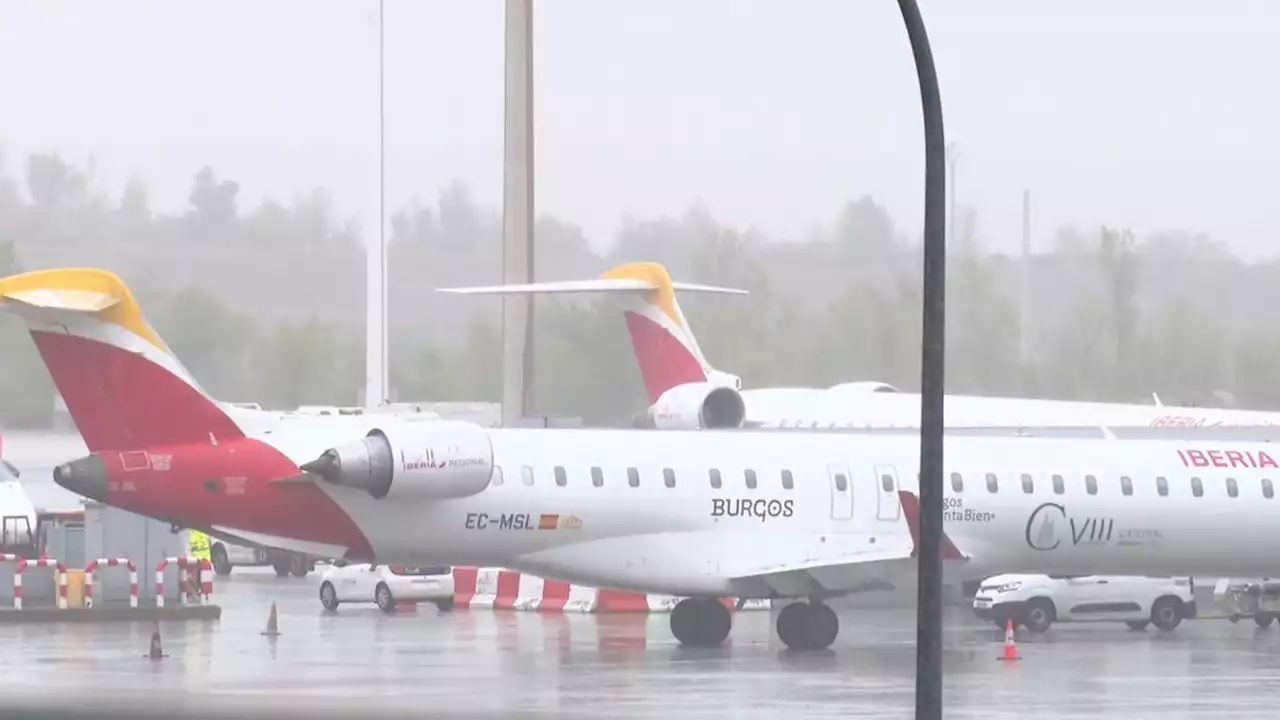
(199, 544)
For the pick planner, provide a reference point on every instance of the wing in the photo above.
(847, 562)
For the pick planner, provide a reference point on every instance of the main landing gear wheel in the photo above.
(700, 622)
(298, 566)
(808, 626)
(1263, 620)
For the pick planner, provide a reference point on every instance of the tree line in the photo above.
(265, 303)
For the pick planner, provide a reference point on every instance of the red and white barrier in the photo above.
(111, 562)
(511, 590)
(60, 576)
(183, 562)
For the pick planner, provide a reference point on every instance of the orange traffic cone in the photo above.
(1010, 651)
(273, 623)
(157, 651)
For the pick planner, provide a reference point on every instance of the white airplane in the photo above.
(685, 392)
(745, 513)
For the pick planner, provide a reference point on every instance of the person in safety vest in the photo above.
(198, 544)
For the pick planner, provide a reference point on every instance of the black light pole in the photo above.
(932, 378)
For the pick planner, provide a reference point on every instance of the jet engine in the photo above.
(698, 406)
(435, 460)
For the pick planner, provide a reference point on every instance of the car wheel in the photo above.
(1166, 613)
(221, 565)
(445, 605)
(1038, 614)
(328, 596)
(382, 596)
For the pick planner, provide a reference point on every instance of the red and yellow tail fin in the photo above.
(665, 347)
(122, 385)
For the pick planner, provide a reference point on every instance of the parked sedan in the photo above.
(386, 585)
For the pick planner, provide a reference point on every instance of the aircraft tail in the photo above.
(665, 347)
(911, 509)
(122, 385)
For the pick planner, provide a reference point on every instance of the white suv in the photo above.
(1037, 601)
(386, 585)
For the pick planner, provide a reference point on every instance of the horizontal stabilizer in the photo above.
(911, 509)
(603, 285)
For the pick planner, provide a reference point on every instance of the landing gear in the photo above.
(700, 622)
(808, 626)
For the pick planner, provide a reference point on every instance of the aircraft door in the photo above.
(841, 491)
(888, 504)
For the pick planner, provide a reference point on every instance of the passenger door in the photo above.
(888, 504)
(841, 491)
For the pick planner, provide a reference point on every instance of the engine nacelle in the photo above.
(435, 460)
(698, 406)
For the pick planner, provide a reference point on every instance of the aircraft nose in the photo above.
(86, 476)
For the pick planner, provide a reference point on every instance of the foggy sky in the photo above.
(1151, 113)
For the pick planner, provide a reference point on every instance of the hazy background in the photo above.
(773, 145)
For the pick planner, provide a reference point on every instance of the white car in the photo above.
(1037, 601)
(386, 585)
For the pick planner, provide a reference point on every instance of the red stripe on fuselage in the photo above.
(664, 361)
(119, 399)
(230, 485)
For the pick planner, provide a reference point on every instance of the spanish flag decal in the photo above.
(548, 522)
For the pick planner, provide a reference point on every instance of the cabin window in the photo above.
(1126, 485)
(715, 478)
(1091, 484)
(1059, 486)
(1268, 490)
(886, 483)
(957, 482)
(1028, 485)
(497, 475)
(562, 478)
(993, 484)
(751, 479)
(1233, 489)
(842, 482)
(633, 477)
(669, 477)
(597, 477)
(787, 481)
(1162, 486)
(526, 474)
(1197, 487)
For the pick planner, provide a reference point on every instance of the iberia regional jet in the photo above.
(698, 514)
(686, 393)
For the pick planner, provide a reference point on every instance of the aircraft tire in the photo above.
(808, 626)
(699, 622)
(298, 566)
(1166, 613)
(1263, 620)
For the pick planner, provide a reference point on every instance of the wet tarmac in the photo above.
(481, 662)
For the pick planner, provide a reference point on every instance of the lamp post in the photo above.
(932, 378)
(376, 391)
